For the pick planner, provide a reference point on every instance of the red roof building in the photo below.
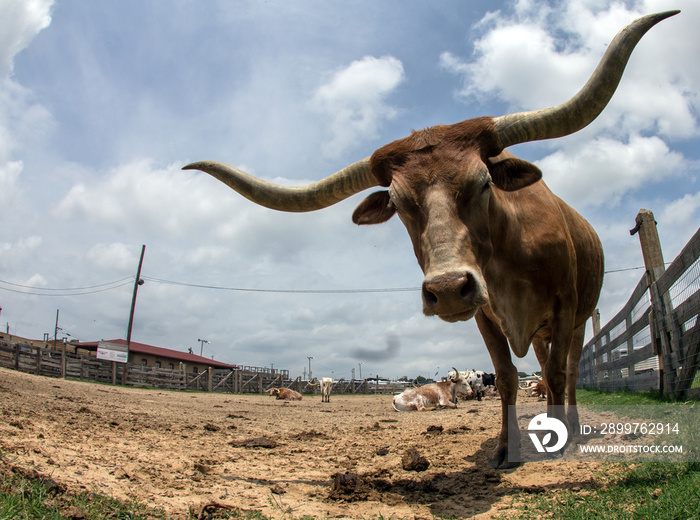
(159, 357)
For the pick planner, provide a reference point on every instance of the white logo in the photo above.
(542, 422)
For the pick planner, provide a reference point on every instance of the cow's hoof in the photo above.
(500, 460)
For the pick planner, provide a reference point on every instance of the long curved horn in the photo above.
(318, 195)
(584, 107)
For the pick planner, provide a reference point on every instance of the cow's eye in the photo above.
(486, 186)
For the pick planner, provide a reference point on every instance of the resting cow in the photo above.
(489, 379)
(432, 396)
(286, 394)
(539, 389)
(494, 243)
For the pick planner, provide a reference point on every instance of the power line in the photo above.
(286, 291)
(621, 270)
(631, 268)
(70, 291)
(93, 289)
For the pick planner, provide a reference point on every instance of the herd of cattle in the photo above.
(467, 384)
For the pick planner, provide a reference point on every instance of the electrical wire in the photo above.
(284, 291)
(93, 289)
(71, 291)
(622, 270)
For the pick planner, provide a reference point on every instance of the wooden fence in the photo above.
(54, 363)
(652, 343)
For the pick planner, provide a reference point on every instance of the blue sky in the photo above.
(102, 103)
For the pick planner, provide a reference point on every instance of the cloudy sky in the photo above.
(102, 103)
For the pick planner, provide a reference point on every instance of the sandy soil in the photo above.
(343, 459)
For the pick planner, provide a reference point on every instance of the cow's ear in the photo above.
(512, 173)
(375, 209)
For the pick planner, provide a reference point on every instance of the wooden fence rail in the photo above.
(48, 362)
(653, 342)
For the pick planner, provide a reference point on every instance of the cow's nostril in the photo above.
(468, 288)
(429, 297)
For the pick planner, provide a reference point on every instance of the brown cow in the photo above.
(286, 394)
(539, 389)
(493, 241)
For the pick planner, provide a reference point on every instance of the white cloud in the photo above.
(599, 172)
(20, 118)
(682, 211)
(37, 280)
(124, 198)
(21, 21)
(15, 253)
(677, 223)
(112, 257)
(516, 62)
(9, 182)
(354, 100)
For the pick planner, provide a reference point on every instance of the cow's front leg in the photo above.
(507, 384)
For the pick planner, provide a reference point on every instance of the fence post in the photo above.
(63, 360)
(645, 225)
(211, 378)
(649, 240)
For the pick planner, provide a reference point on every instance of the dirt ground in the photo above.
(344, 459)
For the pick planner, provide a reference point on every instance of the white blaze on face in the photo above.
(454, 287)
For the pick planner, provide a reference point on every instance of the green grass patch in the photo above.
(27, 495)
(624, 397)
(651, 491)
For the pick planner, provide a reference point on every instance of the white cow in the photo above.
(326, 386)
(434, 395)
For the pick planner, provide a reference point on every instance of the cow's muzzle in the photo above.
(454, 296)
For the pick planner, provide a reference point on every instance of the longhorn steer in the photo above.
(494, 243)
(539, 389)
(474, 379)
(286, 394)
(432, 396)
(326, 385)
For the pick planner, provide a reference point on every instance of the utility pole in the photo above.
(55, 330)
(595, 320)
(138, 281)
(201, 348)
(360, 370)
